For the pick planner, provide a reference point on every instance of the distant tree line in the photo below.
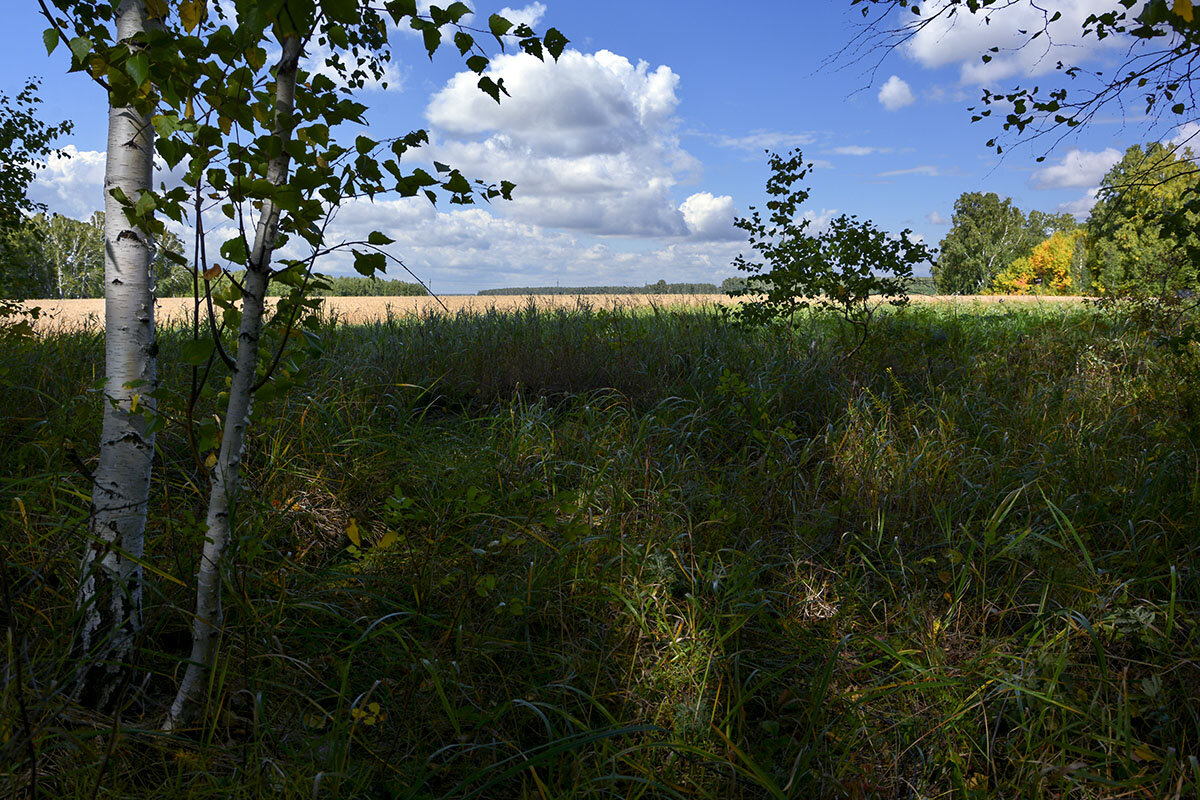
(355, 286)
(918, 284)
(54, 256)
(661, 287)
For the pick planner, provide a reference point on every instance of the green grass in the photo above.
(642, 555)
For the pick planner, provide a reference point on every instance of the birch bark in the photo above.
(110, 593)
(226, 473)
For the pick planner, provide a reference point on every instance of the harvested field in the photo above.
(59, 314)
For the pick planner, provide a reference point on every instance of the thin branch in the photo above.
(63, 35)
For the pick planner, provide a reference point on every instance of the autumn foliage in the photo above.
(1049, 269)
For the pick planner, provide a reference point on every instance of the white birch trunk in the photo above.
(110, 593)
(226, 473)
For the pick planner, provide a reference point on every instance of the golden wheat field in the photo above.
(58, 314)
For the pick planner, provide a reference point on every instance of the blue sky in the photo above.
(634, 153)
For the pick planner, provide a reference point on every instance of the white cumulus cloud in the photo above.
(895, 94)
(1078, 168)
(529, 15)
(71, 184)
(962, 38)
(710, 218)
(1081, 207)
(589, 141)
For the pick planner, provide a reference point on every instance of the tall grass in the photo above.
(618, 554)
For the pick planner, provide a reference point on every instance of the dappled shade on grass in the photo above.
(575, 552)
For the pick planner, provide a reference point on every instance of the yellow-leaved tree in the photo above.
(1052, 268)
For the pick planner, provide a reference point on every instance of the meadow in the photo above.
(592, 551)
(68, 314)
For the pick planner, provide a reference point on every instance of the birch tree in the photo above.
(110, 592)
(256, 141)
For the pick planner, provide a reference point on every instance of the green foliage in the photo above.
(55, 256)
(24, 146)
(579, 554)
(922, 285)
(987, 235)
(1141, 232)
(839, 270)
(659, 287)
(347, 286)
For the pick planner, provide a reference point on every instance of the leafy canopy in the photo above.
(986, 236)
(1141, 231)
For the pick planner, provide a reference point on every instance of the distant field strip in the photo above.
(58, 314)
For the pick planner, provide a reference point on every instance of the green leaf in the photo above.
(192, 13)
(340, 10)
(457, 11)
(440, 167)
(433, 38)
(499, 26)
(50, 37)
(457, 183)
(401, 8)
(196, 352)
(377, 238)
(138, 68)
(369, 264)
(464, 42)
(172, 256)
(365, 145)
(492, 88)
(423, 178)
(234, 250)
(533, 47)
(80, 47)
(145, 204)
(555, 42)
(477, 63)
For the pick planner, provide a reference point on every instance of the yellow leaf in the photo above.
(189, 111)
(1143, 753)
(256, 57)
(226, 124)
(192, 13)
(133, 403)
(388, 540)
(211, 461)
(213, 272)
(156, 9)
(1184, 9)
(352, 532)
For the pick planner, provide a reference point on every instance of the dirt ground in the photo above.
(58, 314)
